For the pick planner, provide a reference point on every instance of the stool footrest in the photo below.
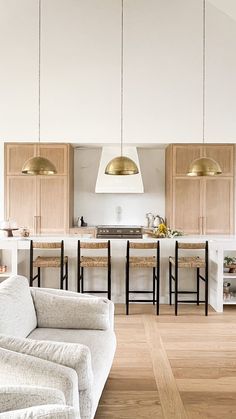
(97, 292)
(140, 292)
(190, 301)
(142, 301)
(184, 292)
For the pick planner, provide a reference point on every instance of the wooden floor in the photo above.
(172, 367)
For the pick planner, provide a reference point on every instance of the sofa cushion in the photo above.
(51, 411)
(102, 345)
(17, 313)
(63, 312)
(70, 355)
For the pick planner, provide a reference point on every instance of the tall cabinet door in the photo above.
(21, 201)
(53, 204)
(16, 155)
(218, 206)
(187, 205)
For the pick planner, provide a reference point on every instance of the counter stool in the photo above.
(48, 262)
(188, 262)
(94, 262)
(143, 262)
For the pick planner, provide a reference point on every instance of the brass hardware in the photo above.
(121, 165)
(204, 166)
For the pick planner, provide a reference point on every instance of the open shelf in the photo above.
(230, 302)
(228, 275)
(5, 274)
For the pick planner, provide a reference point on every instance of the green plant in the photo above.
(229, 260)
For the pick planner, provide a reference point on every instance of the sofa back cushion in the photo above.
(17, 313)
(54, 311)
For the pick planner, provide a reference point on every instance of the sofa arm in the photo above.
(53, 411)
(29, 370)
(64, 293)
(72, 355)
(21, 397)
(66, 312)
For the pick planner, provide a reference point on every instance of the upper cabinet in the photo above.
(44, 204)
(200, 205)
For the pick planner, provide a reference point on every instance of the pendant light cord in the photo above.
(122, 78)
(39, 72)
(204, 71)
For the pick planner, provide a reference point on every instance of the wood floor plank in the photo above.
(172, 367)
(131, 404)
(170, 399)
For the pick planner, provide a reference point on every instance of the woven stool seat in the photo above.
(49, 261)
(42, 261)
(197, 263)
(94, 261)
(142, 261)
(189, 262)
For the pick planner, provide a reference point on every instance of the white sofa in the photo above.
(22, 402)
(56, 339)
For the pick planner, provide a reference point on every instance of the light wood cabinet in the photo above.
(42, 203)
(187, 205)
(218, 201)
(201, 205)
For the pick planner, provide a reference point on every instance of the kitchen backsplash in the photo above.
(119, 208)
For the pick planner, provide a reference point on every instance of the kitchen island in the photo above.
(15, 254)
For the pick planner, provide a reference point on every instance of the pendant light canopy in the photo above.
(204, 166)
(39, 165)
(122, 165)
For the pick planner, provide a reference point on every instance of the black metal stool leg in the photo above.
(170, 283)
(39, 278)
(206, 279)
(198, 286)
(67, 276)
(176, 290)
(109, 282)
(206, 294)
(153, 285)
(61, 278)
(127, 289)
(82, 279)
(158, 291)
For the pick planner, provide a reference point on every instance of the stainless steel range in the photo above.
(119, 232)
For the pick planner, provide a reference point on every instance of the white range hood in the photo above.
(118, 184)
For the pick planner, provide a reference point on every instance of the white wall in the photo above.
(119, 208)
(81, 70)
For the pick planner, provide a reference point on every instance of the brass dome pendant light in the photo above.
(122, 165)
(204, 166)
(39, 165)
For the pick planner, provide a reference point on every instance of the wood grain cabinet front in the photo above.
(201, 205)
(44, 204)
